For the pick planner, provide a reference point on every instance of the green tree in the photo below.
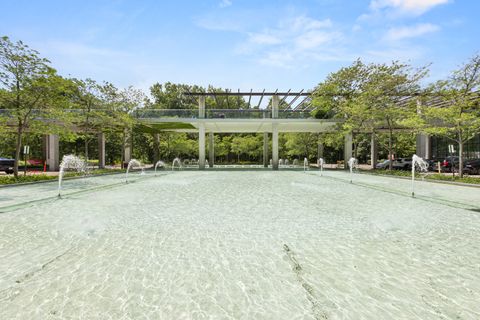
(32, 92)
(368, 97)
(120, 106)
(173, 96)
(459, 118)
(302, 144)
(90, 111)
(387, 86)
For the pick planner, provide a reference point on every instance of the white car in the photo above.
(383, 165)
(402, 164)
(398, 164)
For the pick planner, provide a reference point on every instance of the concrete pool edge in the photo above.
(449, 203)
(453, 183)
(17, 206)
(56, 180)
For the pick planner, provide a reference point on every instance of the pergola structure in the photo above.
(285, 112)
(301, 100)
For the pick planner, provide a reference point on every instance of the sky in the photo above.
(241, 44)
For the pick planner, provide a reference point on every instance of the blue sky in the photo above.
(241, 43)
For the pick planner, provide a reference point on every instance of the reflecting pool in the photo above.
(240, 245)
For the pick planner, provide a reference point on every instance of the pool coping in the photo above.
(56, 180)
(461, 184)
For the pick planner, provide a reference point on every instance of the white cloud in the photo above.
(225, 3)
(263, 39)
(399, 33)
(292, 42)
(315, 38)
(416, 7)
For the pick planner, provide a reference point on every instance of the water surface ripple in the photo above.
(241, 245)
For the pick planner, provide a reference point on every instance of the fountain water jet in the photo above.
(320, 165)
(305, 164)
(131, 164)
(352, 163)
(159, 163)
(177, 161)
(422, 166)
(70, 162)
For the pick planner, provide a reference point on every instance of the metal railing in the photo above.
(191, 113)
(166, 113)
(237, 114)
(221, 114)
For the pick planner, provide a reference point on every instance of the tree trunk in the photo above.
(460, 158)
(18, 147)
(390, 155)
(122, 158)
(86, 149)
(156, 147)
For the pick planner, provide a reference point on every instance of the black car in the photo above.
(7, 165)
(472, 166)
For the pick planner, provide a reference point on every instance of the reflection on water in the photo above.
(252, 245)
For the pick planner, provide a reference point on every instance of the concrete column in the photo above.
(275, 147)
(374, 151)
(275, 102)
(423, 148)
(348, 150)
(52, 152)
(201, 107)
(101, 150)
(265, 149)
(211, 149)
(201, 146)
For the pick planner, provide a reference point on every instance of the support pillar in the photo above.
(52, 152)
(373, 151)
(275, 147)
(211, 149)
(265, 149)
(201, 146)
(101, 150)
(348, 150)
(201, 107)
(275, 102)
(423, 148)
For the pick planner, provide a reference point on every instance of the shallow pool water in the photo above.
(240, 245)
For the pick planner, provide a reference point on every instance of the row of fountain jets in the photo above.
(74, 162)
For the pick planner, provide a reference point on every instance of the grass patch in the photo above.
(10, 179)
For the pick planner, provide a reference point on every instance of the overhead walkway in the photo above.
(271, 120)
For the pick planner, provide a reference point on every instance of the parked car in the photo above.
(402, 164)
(398, 164)
(472, 166)
(383, 165)
(432, 164)
(7, 165)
